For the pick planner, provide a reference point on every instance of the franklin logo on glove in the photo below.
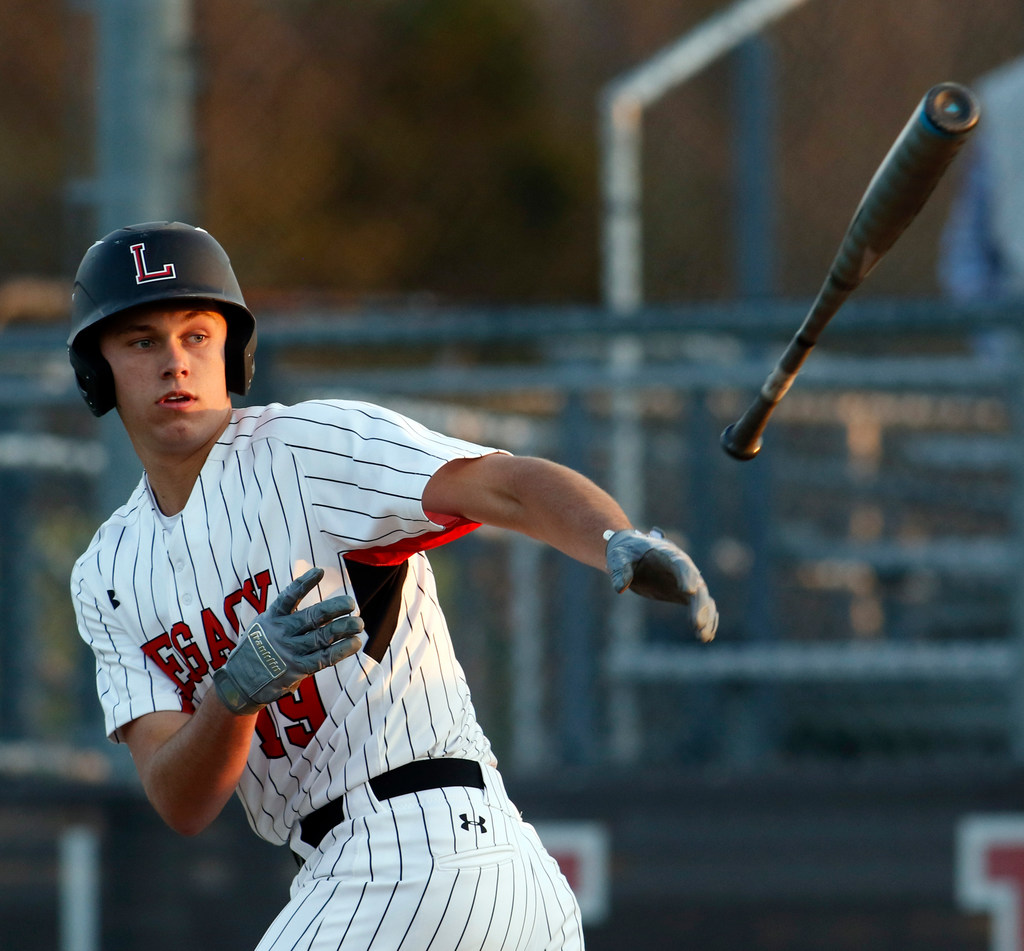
(273, 663)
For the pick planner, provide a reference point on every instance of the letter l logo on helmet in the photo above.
(142, 274)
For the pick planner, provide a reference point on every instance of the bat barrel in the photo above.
(906, 178)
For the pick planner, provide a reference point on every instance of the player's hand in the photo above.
(653, 567)
(284, 646)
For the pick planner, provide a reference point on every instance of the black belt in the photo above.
(413, 777)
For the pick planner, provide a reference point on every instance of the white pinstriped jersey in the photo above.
(335, 484)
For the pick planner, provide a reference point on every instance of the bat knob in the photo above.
(951, 108)
(741, 451)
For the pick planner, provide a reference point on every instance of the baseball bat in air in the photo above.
(898, 190)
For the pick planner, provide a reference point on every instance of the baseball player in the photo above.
(265, 622)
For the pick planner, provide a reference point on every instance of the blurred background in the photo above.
(421, 201)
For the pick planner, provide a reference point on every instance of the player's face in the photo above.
(168, 366)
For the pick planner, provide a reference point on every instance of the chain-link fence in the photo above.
(862, 691)
(865, 563)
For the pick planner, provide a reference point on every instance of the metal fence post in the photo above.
(575, 622)
(18, 678)
(1015, 707)
(79, 861)
(145, 138)
(754, 187)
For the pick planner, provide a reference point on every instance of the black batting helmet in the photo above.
(140, 264)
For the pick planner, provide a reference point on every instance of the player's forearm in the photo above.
(535, 497)
(567, 511)
(191, 773)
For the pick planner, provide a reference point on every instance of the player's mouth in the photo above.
(176, 400)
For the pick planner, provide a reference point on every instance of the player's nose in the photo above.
(175, 360)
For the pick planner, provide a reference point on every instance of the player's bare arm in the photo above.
(536, 497)
(564, 509)
(190, 764)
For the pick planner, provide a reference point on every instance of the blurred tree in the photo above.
(393, 147)
(32, 149)
(450, 146)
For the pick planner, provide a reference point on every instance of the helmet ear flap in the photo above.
(239, 350)
(93, 375)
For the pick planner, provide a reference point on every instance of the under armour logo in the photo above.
(142, 272)
(113, 601)
(467, 822)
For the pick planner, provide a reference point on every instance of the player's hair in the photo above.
(143, 264)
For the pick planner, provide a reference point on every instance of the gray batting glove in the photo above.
(284, 646)
(653, 567)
